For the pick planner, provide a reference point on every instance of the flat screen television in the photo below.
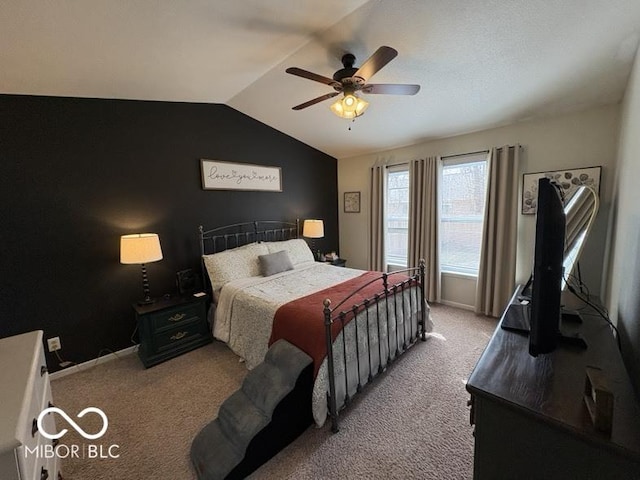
(539, 312)
(546, 288)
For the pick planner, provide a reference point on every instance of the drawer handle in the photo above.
(44, 474)
(177, 317)
(179, 335)
(34, 427)
(43, 370)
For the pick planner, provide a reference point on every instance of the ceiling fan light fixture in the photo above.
(349, 107)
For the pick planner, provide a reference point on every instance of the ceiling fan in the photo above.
(350, 79)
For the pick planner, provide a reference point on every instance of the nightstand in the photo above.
(170, 327)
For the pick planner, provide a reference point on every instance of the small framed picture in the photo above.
(352, 202)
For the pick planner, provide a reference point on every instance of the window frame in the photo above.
(452, 161)
(393, 263)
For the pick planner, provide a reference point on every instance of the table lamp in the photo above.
(141, 248)
(313, 229)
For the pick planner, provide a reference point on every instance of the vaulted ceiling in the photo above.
(480, 63)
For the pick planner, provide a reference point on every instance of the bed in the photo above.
(266, 286)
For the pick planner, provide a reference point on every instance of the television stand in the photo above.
(571, 316)
(516, 319)
(572, 340)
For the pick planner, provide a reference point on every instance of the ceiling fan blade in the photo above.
(391, 88)
(312, 76)
(316, 100)
(375, 62)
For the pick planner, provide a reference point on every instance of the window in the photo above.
(463, 189)
(397, 216)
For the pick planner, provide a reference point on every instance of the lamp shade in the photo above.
(313, 229)
(140, 248)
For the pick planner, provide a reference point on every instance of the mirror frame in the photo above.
(585, 223)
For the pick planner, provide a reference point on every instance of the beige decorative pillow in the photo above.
(241, 262)
(297, 249)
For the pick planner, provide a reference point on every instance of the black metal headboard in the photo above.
(231, 236)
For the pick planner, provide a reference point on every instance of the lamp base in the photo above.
(146, 301)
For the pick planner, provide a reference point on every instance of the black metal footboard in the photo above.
(385, 318)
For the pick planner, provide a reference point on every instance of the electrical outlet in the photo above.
(54, 344)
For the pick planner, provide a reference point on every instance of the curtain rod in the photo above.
(451, 156)
(475, 153)
(396, 164)
(464, 154)
(442, 158)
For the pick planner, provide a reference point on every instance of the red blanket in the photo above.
(301, 321)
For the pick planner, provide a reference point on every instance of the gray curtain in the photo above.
(496, 276)
(376, 219)
(423, 222)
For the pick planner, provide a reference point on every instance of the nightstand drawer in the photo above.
(177, 337)
(175, 317)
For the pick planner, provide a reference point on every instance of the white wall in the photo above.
(623, 278)
(582, 139)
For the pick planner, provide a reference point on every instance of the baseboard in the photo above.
(458, 305)
(92, 363)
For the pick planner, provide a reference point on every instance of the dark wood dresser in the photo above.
(531, 421)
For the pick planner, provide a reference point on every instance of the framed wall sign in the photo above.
(217, 175)
(352, 202)
(569, 180)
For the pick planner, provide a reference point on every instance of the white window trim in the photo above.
(451, 161)
(399, 167)
(455, 274)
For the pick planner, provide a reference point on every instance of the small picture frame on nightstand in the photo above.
(352, 202)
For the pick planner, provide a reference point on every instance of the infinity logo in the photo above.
(69, 420)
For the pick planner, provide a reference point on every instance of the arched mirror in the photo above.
(580, 209)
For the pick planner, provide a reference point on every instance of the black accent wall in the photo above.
(76, 174)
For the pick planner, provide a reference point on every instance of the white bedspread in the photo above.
(246, 308)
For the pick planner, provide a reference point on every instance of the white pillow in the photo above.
(297, 249)
(241, 262)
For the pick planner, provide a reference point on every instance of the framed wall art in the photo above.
(569, 180)
(218, 175)
(352, 202)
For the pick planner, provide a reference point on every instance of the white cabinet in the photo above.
(24, 393)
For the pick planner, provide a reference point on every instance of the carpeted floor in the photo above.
(412, 422)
